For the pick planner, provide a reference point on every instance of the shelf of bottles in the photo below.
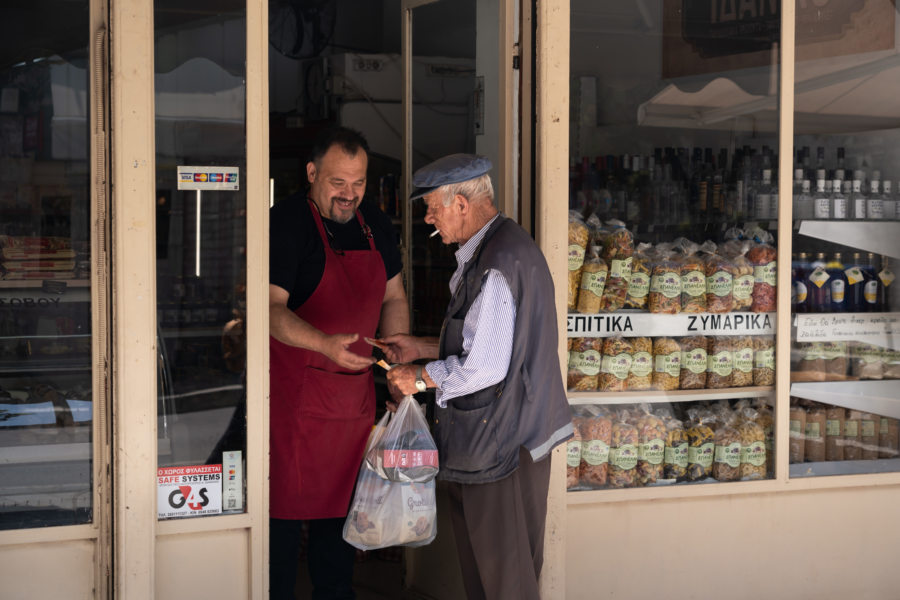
(845, 363)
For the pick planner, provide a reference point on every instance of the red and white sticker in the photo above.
(188, 491)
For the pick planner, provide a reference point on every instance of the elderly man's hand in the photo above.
(403, 379)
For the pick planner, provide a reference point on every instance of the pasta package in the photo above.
(834, 433)
(640, 377)
(852, 438)
(652, 448)
(727, 458)
(584, 364)
(763, 360)
(573, 456)
(676, 458)
(616, 364)
(888, 438)
(596, 435)
(719, 273)
(743, 279)
(762, 257)
(753, 445)
(701, 446)
(720, 363)
(593, 281)
(665, 285)
(814, 444)
(618, 251)
(579, 235)
(797, 441)
(693, 362)
(766, 420)
(868, 435)
(639, 285)
(623, 455)
(666, 364)
(742, 353)
(693, 280)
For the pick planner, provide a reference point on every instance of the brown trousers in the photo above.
(499, 530)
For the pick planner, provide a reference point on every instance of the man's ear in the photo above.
(310, 171)
(463, 203)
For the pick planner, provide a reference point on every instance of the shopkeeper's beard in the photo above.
(341, 212)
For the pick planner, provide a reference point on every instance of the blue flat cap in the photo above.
(450, 169)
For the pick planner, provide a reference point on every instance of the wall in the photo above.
(837, 543)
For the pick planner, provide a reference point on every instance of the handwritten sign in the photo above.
(880, 329)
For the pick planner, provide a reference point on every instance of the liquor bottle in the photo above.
(838, 282)
(799, 293)
(805, 203)
(857, 200)
(839, 171)
(875, 202)
(890, 203)
(762, 198)
(839, 199)
(885, 278)
(870, 285)
(821, 201)
(818, 290)
(856, 283)
(797, 191)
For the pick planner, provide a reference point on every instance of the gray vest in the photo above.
(479, 435)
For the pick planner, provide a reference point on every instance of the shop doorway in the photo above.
(341, 62)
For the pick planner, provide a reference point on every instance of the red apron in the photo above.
(320, 414)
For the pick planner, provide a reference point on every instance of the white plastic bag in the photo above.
(403, 449)
(389, 513)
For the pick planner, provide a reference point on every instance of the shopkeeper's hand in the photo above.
(337, 348)
(403, 378)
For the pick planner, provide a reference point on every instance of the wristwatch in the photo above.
(420, 383)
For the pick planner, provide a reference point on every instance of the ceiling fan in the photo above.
(301, 28)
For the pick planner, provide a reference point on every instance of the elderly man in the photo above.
(500, 402)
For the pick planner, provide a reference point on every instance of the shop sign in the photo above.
(707, 36)
(209, 178)
(655, 325)
(188, 491)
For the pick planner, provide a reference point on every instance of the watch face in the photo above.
(420, 385)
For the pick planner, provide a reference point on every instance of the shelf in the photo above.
(673, 396)
(36, 283)
(57, 365)
(644, 324)
(844, 467)
(879, 237)
(880, 329)
(879, 397)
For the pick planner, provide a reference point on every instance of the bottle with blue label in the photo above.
(818, 287)
(799, 292)
(871, 296)
(838, 282)
(856, 283)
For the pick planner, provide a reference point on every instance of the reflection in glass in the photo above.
(673, 204)
(46, 409)
(845, 363)
(200, 251)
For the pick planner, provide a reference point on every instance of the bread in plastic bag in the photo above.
(404, 449)
(390, 513)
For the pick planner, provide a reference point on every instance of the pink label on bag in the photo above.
(410, 458)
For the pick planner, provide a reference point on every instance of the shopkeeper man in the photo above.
(334, 279)
(500, 402)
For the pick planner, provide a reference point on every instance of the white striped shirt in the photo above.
(487, 333)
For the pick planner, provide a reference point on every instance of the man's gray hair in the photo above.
(472, 189)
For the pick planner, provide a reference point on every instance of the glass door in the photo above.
(49, 399)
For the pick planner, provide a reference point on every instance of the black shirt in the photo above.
(296, 252)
